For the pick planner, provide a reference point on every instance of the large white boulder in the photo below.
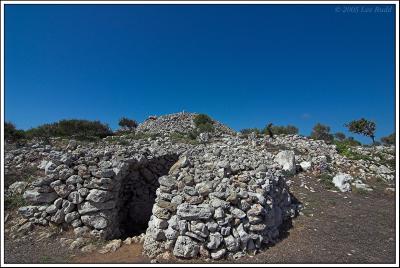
(342, 182)
(287, 160)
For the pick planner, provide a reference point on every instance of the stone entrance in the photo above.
(137, 195)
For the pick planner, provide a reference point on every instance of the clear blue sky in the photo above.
(245, 65)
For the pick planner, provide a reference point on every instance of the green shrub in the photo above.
(389, 140)
(193, 134)
(321, 132)
(359, 191)
(277, 130)
(345, 144)
(11, 133)
(203, 123)
(23, 173)
(352, 142)
(128, 124)
(326, 180)
(189, 138)
(248, 131)
(344, 148)
(140, 136)
(14, 201)
(207, 127)
(202, 119)
(78, 129)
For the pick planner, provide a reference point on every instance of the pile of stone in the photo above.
(219, 201)
(224, 198)
(97, 190)
(321, 157)
(178, 122)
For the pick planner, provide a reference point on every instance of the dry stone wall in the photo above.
(224, 197)
(103, 193)
(219, 201)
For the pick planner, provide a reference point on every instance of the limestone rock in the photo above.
(342, 182)
(111, 246)
(96, 221)
(287, 160)
(194, 212)
(17, 187)
(185, 247)
(36, 197)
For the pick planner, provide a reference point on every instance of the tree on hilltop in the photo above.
(321, 132)
(363, 127)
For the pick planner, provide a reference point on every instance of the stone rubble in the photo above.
(179, 122)
(226, 196)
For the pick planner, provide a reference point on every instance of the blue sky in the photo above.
(244, 65)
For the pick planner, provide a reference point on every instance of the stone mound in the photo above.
(223, 198)
(178, 122)
(219, 201)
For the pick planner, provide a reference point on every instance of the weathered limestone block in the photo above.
(185, 247)
(96, 221)
(194, 212)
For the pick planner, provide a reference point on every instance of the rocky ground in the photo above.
(229, 198)
(334, 227)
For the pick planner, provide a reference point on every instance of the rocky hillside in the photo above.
(179, 122)
(224, 196)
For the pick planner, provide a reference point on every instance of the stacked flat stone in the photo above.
(91, 189)
(218, 208)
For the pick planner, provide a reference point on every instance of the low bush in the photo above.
(11, 133)
(77, 129)
(326, 180)
(140, 136)
(389, 140)
(14, 201)
(190, 138)
(359, 191)
(203, 123)
(127, 124)
(278, 130)
(322, 132)
(23, 173)
(248, 131)
(344, 148)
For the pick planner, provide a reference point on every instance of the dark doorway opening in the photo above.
(138, 193)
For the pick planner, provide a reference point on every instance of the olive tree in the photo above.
(321, 132)
(363, 127)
